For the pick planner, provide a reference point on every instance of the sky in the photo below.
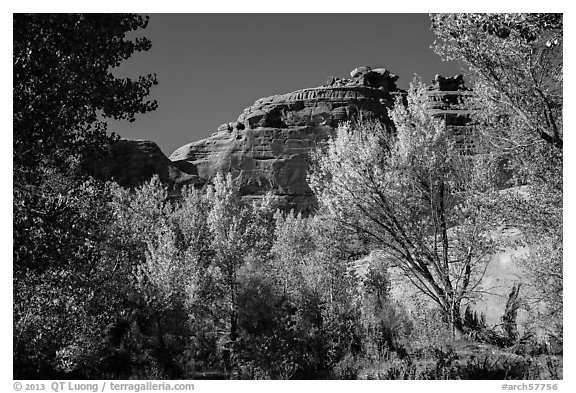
(212, 66)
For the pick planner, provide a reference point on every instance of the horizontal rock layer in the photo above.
(262, 159)
(447, 96)
(268, 146)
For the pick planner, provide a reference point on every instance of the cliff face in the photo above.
(132, 162)
(446, 95)
(267, 147)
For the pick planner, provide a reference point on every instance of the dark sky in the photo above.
(211, 66)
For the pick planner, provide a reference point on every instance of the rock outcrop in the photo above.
(132, 162)
(267, 146)
(447, 96)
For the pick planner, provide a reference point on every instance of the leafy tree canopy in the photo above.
(517, 62)
(63, 83)
(414, 197)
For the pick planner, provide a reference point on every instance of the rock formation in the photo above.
(267, 146)
(447, 95)
(132, 162)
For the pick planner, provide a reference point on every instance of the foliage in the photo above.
(414, 197)
(429, 326)
(316, 325)
(537, 210)
(450, 363)
(155, 303)
(63, 82)
(517, 61)
(64, 293)
(67, 288)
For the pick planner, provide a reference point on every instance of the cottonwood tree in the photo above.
(158, 256)
(517, 62)
(63, 81)
(60, 284)
(310, 268)
(414, 197)
(63, 89)
(227, 222)
(237, 243)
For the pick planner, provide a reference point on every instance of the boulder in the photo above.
(359, 71)
(225, 127)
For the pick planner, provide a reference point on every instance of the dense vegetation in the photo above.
(117, 283)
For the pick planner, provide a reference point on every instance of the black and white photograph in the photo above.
(331, 195)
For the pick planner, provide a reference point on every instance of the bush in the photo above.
(451, 364)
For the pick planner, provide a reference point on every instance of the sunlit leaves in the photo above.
(414, 197)
(517, 63)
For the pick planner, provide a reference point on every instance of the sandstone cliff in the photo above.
(447, 96)
(132, 162)
(267, 147)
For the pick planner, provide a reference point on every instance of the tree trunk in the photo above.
(455, 320)
(163, 356)
(510, 313)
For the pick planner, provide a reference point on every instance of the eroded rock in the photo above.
(267, 147)
(448, 100)
(132, 162)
